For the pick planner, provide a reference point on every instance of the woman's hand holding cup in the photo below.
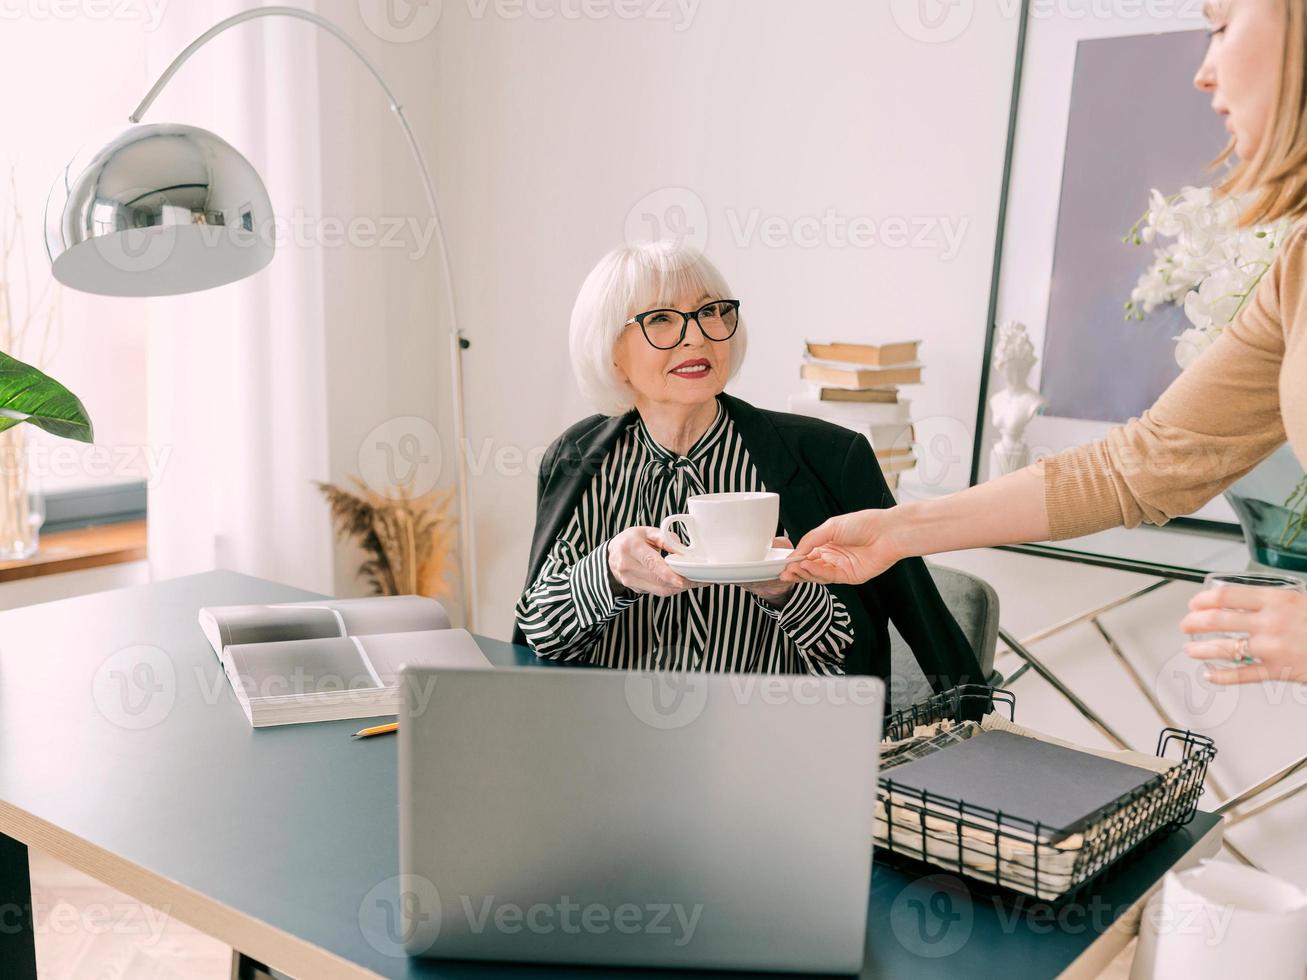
(635, 562)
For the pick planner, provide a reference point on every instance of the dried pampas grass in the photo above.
(409, 539)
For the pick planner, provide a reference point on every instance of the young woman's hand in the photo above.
(1275, 621)
(635, 562)
(848, 549)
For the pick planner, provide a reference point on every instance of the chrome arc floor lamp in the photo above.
(165, 208)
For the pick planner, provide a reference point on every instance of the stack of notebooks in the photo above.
(332, 658)
(857, 386)
(1012, 806)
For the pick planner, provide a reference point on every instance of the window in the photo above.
(94, 345)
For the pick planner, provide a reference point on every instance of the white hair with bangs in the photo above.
(630, 280)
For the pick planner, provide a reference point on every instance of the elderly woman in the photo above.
(655, 337)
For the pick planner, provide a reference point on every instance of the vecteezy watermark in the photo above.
(1208, 920)
(66, 461)
(503, 459)
(674, 920)
(93, 919)
(401, 452)
(401, 21)
(139, 250)
(678, 215)
(396, 232)
(932, 917)
(405, 914)
(803, 689)
(941, 21)
(407, 451)
(1097, 915)
(936, 233)
(679, 13)
(135, 687)
(400, 915)
(404, 21)
(669, 214)
(1129, 10)
(148, 13)
(314, 686)
(941, 456)
(932, 21)
(1203, 706)
(672, 699)
(667, 699)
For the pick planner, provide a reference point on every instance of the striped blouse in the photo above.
(569, 613)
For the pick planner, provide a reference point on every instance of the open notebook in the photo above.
(334, 658)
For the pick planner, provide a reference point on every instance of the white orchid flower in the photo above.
(1190, 344)
(1210, 265)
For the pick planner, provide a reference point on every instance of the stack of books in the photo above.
(858, 386)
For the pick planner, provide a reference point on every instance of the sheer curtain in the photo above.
(236, 378)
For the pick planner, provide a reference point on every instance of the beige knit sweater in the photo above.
(1226, 413)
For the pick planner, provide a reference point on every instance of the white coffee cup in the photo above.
(725, 527)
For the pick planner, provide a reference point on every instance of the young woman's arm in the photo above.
(1217, 421)
(855, 547)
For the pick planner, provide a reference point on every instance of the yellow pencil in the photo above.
(377, 730)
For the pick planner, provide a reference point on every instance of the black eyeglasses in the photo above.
(665, 329)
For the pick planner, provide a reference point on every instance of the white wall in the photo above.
(549, 135)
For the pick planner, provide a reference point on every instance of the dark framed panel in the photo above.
(1084, 147)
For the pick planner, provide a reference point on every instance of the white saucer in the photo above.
(732, 573)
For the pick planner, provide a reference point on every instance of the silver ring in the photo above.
(1242, 656)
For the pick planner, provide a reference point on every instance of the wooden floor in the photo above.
(88, 930)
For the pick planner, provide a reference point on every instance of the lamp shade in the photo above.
(159, 209)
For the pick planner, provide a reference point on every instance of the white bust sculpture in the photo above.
(1017, 403)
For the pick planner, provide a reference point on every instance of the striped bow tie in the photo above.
(680, 626)
(666, 484)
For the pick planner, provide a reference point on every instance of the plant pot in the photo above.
(1270, 513)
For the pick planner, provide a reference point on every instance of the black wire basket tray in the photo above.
(1004, 849)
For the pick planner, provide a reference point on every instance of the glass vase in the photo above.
(1272, 509)
(22, 507)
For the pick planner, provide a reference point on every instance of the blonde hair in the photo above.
(626, 281)
(1276, 174)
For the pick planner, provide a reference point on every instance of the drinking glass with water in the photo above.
(1254, 580)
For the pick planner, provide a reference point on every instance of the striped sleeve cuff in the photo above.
(592, 592)
(807, 615)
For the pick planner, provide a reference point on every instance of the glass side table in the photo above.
(1177, 554)
(1167, 555)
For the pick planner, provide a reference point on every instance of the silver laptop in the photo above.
(604, 817)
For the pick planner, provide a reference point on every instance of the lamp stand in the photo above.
(457, 341)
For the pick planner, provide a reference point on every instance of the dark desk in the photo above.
(123, 753)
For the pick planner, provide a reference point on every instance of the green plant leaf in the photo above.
(29, 395)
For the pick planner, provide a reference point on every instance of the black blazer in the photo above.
(819, 470)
